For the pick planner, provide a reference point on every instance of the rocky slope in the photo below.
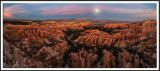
(75, 44)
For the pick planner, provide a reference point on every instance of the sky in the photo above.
(94, 11)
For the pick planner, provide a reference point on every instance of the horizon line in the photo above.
(76, 18)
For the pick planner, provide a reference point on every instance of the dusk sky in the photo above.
(95, 11)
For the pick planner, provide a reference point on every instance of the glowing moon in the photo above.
(96, 10)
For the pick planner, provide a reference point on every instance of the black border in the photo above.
(81, 0)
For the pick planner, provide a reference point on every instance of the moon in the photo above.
(96, 10)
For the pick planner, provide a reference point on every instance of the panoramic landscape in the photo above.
(79, 35)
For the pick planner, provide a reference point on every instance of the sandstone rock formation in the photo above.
(77, 43)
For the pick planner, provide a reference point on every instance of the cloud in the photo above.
(138, 13)
(81, 9)
(151, 15)
(119, 10)
(9, 12)
(66, 10)
(73, 9)
(33, 3)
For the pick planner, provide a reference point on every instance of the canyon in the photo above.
(79, 43)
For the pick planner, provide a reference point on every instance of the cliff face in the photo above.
(58, 43)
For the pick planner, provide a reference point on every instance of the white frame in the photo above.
(157, 68)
